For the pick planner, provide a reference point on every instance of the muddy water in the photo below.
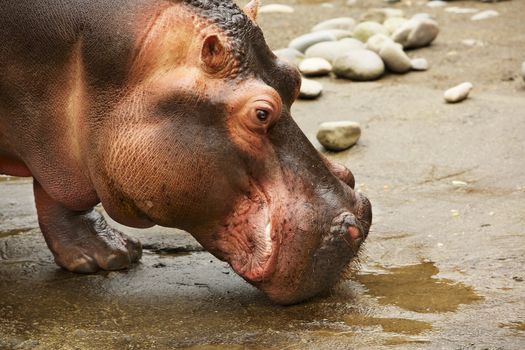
(185, 299)
(416, 288)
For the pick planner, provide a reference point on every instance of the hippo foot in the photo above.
(81, 241)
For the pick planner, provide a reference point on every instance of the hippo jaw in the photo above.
(286, 248)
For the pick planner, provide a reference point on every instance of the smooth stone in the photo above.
(379, 15)
(351, 2)
(276, 8)
(472, 42)
(338, 136)
(376, 42)
(460, 10)
(365, 30)
(484, 15)
(416, 33)
(360, 65)
(392, 24)
(330, 50)
(310, 89)
(523, 70)
(289, 55)
(315, 67)
(419, 64)
(395, 59)
(327, 5)
(438, 3)
(458, 93)
(344, 23)
(338, 33)
(356, 44)
(303, 42)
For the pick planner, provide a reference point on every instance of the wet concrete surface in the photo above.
(443, 265)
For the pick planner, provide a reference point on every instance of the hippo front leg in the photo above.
(82, 242)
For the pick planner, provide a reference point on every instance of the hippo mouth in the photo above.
(248, 240)
(269, 234)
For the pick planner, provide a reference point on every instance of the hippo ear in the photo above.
(251, 10)
(213, 53)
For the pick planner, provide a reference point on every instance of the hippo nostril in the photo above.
(354, 232)
(346, 225)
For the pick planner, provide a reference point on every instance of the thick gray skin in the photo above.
(132, 104)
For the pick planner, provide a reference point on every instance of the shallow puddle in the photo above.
(518, 326)
(392, 325)
(16, 232)
(415, 288)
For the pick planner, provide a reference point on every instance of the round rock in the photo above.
(303, 42)
(458, 93)
(289, 55)
(416, 32)
(330, 50)
(310, 89)
(523, 70)
(396, 60)
(376, 42)
(419, 64)
(338, 136)
(365, 30)
(359, 65)
(484, 15)
(315, 67)
(394, 23)
(338, 33)
(344, 23)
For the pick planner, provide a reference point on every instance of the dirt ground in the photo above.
(443, 266)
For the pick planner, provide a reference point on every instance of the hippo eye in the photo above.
(262, 115)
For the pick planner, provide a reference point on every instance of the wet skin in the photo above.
(173, 113)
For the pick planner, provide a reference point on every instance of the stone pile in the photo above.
(360, 50)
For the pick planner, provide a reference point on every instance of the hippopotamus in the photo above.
(172, 113)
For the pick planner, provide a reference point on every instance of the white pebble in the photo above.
(310, 89)
(396, 60)
(315, 66)
(484, 15)
(419, 64)
(458, 93)
(436, 3)
(460, 10)
(338, 136)
(330, 50)
(345, 23)
(365, 30)
(303, 42)
(359, 65)
(392, 24)
(375, 42)
(276, 8)
(416, 33)
(472, 42)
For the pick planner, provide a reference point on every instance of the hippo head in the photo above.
(206, 143)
